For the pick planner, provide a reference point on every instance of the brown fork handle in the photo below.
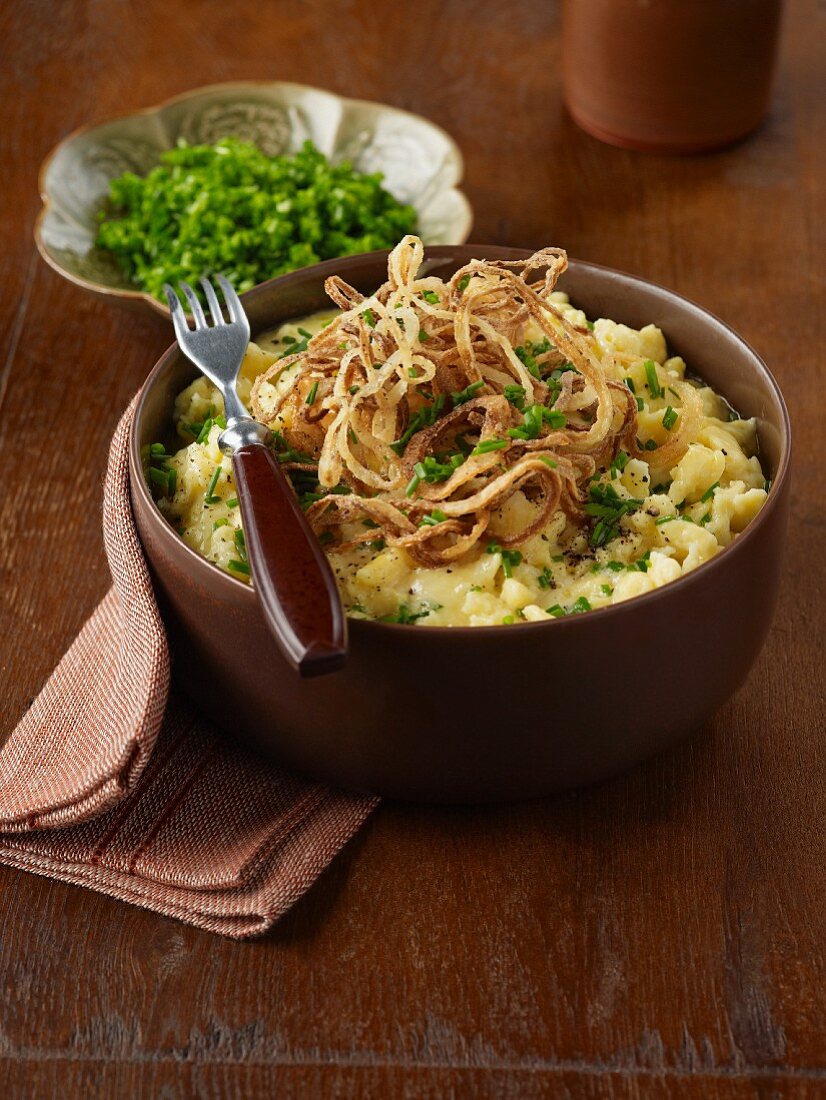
(293, 579)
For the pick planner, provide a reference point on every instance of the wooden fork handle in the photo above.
(293, 579)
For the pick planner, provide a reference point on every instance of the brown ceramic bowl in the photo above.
(489, 713)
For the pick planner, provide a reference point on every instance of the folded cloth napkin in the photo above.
(112, 781)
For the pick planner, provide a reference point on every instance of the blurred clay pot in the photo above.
(669, 76)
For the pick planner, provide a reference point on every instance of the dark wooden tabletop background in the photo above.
(659, 936)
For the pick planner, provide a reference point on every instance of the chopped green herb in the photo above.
(239, 566)
(669, 418)
(510, 558)
(241, 543)
(545, 578)
(426, 416)
(434, 519)
(210, 497)
(582, 604)
(220, 523)
(630, 384)
(488, 445)
(609, 507)
(311, 396)
(557, 611)
(459, 397)
(354, 389)
(619, 463)
(710, 491)
(423, 336)
(607, 590)
(431, 296)
(548, 461)
(664, 519)
(516, 395)
(406, 617)
(767, 484)
(463, 283)
(232, 502)
(508, 620)
(654, 386)
(369, 318)
(533, 418)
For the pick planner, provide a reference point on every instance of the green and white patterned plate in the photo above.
(421, 164)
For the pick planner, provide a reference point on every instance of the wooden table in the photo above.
(658, 936)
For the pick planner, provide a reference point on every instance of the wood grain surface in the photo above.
(660, 936)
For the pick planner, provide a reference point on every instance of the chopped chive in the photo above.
(515, 395)
(203, 435)
(664, 519)
(171, 482)
(354, 389)
(412, 485)
(232, 502)
(369, 318)
(303, 332)
(548, 461)
(582, 604)
(488, 445)
(158, 478)
(672, 390)
(669, 419)
(241, 543)
(423, 336)
(607, 590)
(239, 566)
(615, 566)
(545, 578)
(431, 296)
(463, 283)
(157, 449)
(352, 436)
(210, 497)
(640, 404)
(557, 611)
(630, 384)
(436, 517)
(222, 522)
(459, 397)
(312, 394)
(709, 493)
(508, 620)
(705, 519)
(589, 325)
(619, 463)
(767, 484)
(653, 381)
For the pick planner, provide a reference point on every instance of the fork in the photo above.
(292, 578)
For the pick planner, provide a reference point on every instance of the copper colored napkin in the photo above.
(112, 781)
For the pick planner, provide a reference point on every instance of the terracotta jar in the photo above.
(673, 76)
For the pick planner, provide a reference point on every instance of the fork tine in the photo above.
(236, 310)
(194, 306)
(212, 298)
(178, 315)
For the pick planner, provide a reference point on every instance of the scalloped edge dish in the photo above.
(421, 164)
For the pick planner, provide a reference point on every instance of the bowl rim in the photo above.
(127, 294)
(223, 582)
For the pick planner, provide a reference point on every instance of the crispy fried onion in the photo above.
(428, 403)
